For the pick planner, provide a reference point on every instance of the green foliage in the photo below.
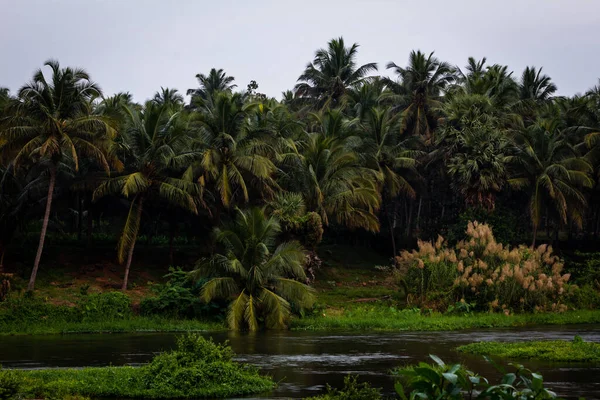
(312, 230)
(196, 368)
(584, 297)
(442, 381)
(179, 297)
(554, 350)
(385, 318)
(585, 268)
(352, 390)
(10, 384)
(105, 306)
(290, 210)
(506, 224)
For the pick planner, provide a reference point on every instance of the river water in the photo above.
(304, 362)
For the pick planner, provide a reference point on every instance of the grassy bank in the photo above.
(198, 368)
(388, 318)
(133, 324)
(552, 350)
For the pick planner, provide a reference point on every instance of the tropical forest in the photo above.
(411, 230)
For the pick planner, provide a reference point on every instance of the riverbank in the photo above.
(133, 324)
(364, 319)
(390, 319)
(197, 368)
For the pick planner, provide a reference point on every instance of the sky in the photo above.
(140, 45)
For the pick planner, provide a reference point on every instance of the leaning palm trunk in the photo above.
(138, 217)
(38, 256)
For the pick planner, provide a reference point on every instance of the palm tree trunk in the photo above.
(130, 253)
(38, 256)
(419, 213)
(535, 228)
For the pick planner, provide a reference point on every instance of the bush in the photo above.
(10, 384)
(105, 306)
(584, 297)
(179, 297)
(585, 268)
(481, 271)
(29, 310)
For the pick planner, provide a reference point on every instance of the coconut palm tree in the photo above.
(362, 98)
(333, 179)
(331, 73)
(53, 126)
(160, 147)
(551, 172)
(168, 97)
(261, 277)
(216, 81)
(233, 161)
(395, 159)
(535, 86)
(418, 89)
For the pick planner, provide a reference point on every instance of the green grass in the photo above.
(391, 319)
(198, 368)
(555, 350)
(133, 324)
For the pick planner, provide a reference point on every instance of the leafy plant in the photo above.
(10, 384)
(103, 306)
(179, 297)
(441, 381)
(352, 390)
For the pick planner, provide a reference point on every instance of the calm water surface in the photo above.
(305, 361)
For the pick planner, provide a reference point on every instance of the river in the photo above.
(304, 362)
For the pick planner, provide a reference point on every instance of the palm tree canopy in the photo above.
(332, 72)
(53, 122)
(216, 81)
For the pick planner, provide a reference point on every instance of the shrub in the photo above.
(352, 390)
(479, 270)
(29, 310)
(10, 384)
(583, 297)
(105, 306)
(180, 297)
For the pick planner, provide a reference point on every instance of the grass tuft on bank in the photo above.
(550, 350)
(198, 368)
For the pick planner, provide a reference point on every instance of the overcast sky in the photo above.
(141, 45)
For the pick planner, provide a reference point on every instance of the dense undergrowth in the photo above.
(197, 368)
(550, 350)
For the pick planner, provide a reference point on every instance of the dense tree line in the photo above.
(397, 157)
